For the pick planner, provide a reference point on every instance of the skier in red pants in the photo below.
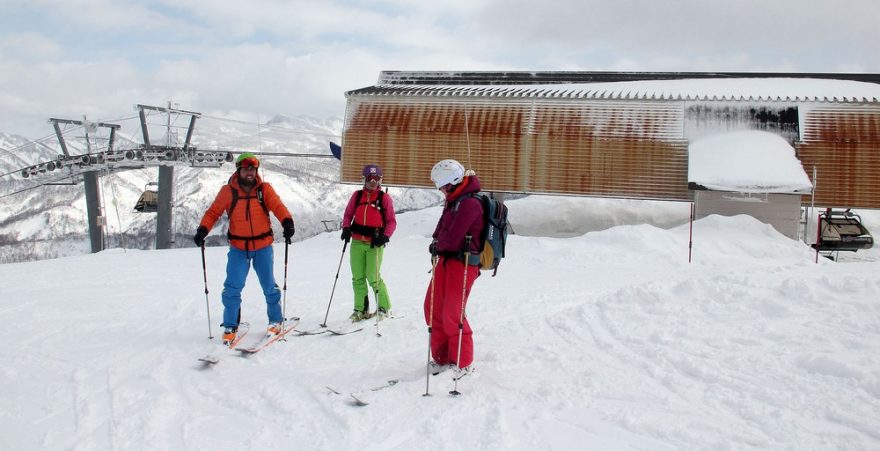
(456, 267)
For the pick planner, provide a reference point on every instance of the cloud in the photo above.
(689, 32)
(98, 16)
(99, 57)
(28, 46)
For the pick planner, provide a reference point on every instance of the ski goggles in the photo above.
(373, 178)
(249, 163)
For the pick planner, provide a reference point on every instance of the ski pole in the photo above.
(461, 315)
(284, 299)
(344, 244)
(376, 289)
(207, 304)
(434, 260)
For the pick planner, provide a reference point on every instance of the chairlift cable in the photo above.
(30, 141)
(116, 207)
(102, 211)
(291, 130)
(467, 138)
(50, 182)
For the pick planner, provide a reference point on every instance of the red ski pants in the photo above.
(446, 287)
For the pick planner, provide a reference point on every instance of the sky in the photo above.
(252, 60)
(607, 340)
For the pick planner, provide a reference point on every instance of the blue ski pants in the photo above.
(238, 264)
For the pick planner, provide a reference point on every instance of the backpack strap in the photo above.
(261, 200)
(233, 201)
(473, 259)
(366, 230)
(259, 197)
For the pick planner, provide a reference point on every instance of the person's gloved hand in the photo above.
(432, 248)
(289, 229)
(378, 241)
(201, 233)
(346, 234)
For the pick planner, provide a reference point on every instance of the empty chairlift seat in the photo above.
(148, 202)
(842, 231)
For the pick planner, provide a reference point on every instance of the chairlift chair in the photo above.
(842, 231)
(149, 200)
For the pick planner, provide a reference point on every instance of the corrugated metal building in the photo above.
(610, 134)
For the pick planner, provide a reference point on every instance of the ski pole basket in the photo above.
(842, 231)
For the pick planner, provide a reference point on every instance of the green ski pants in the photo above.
(366, 265)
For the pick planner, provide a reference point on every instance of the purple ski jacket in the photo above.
(462, 216)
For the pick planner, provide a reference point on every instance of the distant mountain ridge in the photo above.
(50, 221)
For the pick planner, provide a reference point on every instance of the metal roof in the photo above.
(547, 77)
(749, 87)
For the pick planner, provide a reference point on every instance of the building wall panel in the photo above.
(782, 211)
(600, 148)
(842, 142)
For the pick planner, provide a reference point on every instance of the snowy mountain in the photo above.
(607, 340)
(50, 221)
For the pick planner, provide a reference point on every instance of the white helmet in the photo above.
(446, 172)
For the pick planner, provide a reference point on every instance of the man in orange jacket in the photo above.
(247, 200)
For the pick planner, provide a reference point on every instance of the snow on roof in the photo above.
(748, 161)
(732, 89)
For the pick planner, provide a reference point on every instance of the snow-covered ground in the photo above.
(609, 340)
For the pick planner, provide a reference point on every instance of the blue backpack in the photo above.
(494, 235)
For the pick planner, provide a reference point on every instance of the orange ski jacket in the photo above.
(250, 227)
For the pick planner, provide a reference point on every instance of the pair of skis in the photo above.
(455, 378)
(254, 346)
(362, 398)
(342, 327)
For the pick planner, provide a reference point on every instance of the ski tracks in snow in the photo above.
(695, 345)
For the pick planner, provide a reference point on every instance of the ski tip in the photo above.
(357, 401)
(345, 331)
(300, 333)
(332, 390)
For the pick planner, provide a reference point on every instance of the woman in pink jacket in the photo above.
(369, 222)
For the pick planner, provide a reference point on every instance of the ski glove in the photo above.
(289, 229)
(379, 241)
(432, 248)
(201, 233)
(346, 234)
